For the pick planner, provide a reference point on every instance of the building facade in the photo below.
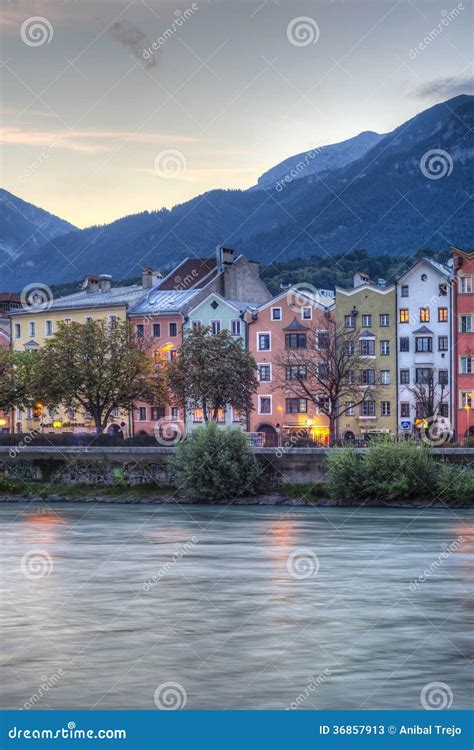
(8, 302)
(369, 312)
(463, 343)
(424, 346)
(292, 320)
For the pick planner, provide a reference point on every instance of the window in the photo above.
(196, 325)
(17, 330)
(215, 327)
(174, 412)
(424, 277)
(198, 415)
(385, 408)
(156, 330)
(424, 314)
(465, 284)
(404, 315)
(404, 344)
(465, 323)
(349, 377)
(404, 290)
(48, 327)
(140, 329)
(173, 354)
(295, 341)
(442, 343)
(112, 321)
(423, 344)
(384, 320)
(465, 365)
(221, 416)
(443, 289)
(306, 313)
(292, 372)
(385, 377)
(142, 414)
(264, 404)
(405, 377)
(276, 313)
(442, 314)
(322, 339)
(173, 330)
(366, 321)
(323, 405)
(421, 410)
(367, 377)
(385, 347)
(404, 410)
(237, 415)
(349, 410)
(465, 399)
(32, 329)
(263, 342)
(296, 406)
(350, 347)
(322, 370)
(115, 412)
(367, 347)
(349, 321)
(264, 373)
(67, 321)
(443, 378)
(157, 412)
(443, 409)
(367, 409)
(423, 375)
(235, 327)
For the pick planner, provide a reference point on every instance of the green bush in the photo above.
(397, 471)
(216, 464)
(456, 484)
(10, 486)
(345, 473)
(307, 491)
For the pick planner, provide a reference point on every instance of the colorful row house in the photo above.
(8, 302)
(463, 342)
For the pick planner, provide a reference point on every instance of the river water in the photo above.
(207, 607)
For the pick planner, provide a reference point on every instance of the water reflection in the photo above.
(223, 617)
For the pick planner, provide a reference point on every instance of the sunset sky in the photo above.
(87, 116)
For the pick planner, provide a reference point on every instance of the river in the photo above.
(208, 607)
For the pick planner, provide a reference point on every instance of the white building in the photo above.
(424, 345)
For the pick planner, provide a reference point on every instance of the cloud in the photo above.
(134, 40)
(446, 88)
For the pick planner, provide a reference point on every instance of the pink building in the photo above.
(8, 302)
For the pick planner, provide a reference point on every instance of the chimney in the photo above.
(151, 278)
(90, 284)
(360, 279)
(225, 257)
(105, 283)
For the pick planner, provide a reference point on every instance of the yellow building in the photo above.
(32, 325)
(369, 311)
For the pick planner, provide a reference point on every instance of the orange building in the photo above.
(463, 342)
(293, 319)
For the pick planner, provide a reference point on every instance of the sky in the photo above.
(112, 107)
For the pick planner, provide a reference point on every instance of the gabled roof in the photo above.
(367, 335)
(191, 273)
(438, 267)
(296, 325)
(323, 301)
(469, 254)
(158, 300)
(236, 305)
(423, 331)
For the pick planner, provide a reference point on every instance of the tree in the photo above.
(329, 373)
(213, 371)
(99, 367)
(15, 378)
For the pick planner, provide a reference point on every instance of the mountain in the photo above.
(24, 228)
(321, 160)
(393, 199)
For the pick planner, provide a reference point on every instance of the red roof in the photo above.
(192, 273)
(10, 297)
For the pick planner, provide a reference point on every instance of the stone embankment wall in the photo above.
(107, 466)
